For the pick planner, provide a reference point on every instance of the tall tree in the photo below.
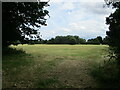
(105, 40)
(114, 30)
(114, 33)
(20, 19)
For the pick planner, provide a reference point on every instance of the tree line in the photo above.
(69, 39)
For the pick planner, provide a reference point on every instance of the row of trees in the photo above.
(66, 40)
(76, 40)
(69, 39)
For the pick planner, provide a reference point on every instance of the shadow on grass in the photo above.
(14, 63)
(14, 58)
(107, 75)
(12, 51)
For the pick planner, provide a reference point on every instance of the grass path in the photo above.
(47, 66)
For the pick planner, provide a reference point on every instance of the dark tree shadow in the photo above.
(12, 51)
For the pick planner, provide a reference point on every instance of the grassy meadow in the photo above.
(53, 66)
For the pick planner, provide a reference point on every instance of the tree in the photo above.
(82, 41)
(71, 39)
(114, 33)
(77, 39)
(105, 40)
(20, 19)
(63, 40)
(114, 30)
(51, 41)
(100, 39)
(58, 40)
(93, 41)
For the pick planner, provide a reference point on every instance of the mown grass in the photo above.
(48, 66)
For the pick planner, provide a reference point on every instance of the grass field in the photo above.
(52, 66)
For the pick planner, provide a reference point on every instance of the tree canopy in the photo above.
(69, 39)
(114, 29)
(19, 17)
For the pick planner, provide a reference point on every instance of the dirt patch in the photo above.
(75, 73)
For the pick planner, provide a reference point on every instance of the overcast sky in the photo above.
(84, 18)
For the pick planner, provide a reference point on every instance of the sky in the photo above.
(84, 18)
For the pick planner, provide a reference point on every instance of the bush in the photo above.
(107, 74)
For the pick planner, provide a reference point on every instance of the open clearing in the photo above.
(52, 66)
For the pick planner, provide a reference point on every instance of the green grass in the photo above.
(48, 66)
(107, 75)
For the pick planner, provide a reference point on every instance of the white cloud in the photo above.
(66, 29)
(67, 6)
(83, 28)
(53, 32)
(86, 20)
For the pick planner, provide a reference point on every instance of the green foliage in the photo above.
(77, 39)
(114, 30)
(93, 41)
(18, 17)
(51, 41)
(82, 41)
(100, 39)
(105, 40)
(106, 74)
(63, 40)
(69, 39)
